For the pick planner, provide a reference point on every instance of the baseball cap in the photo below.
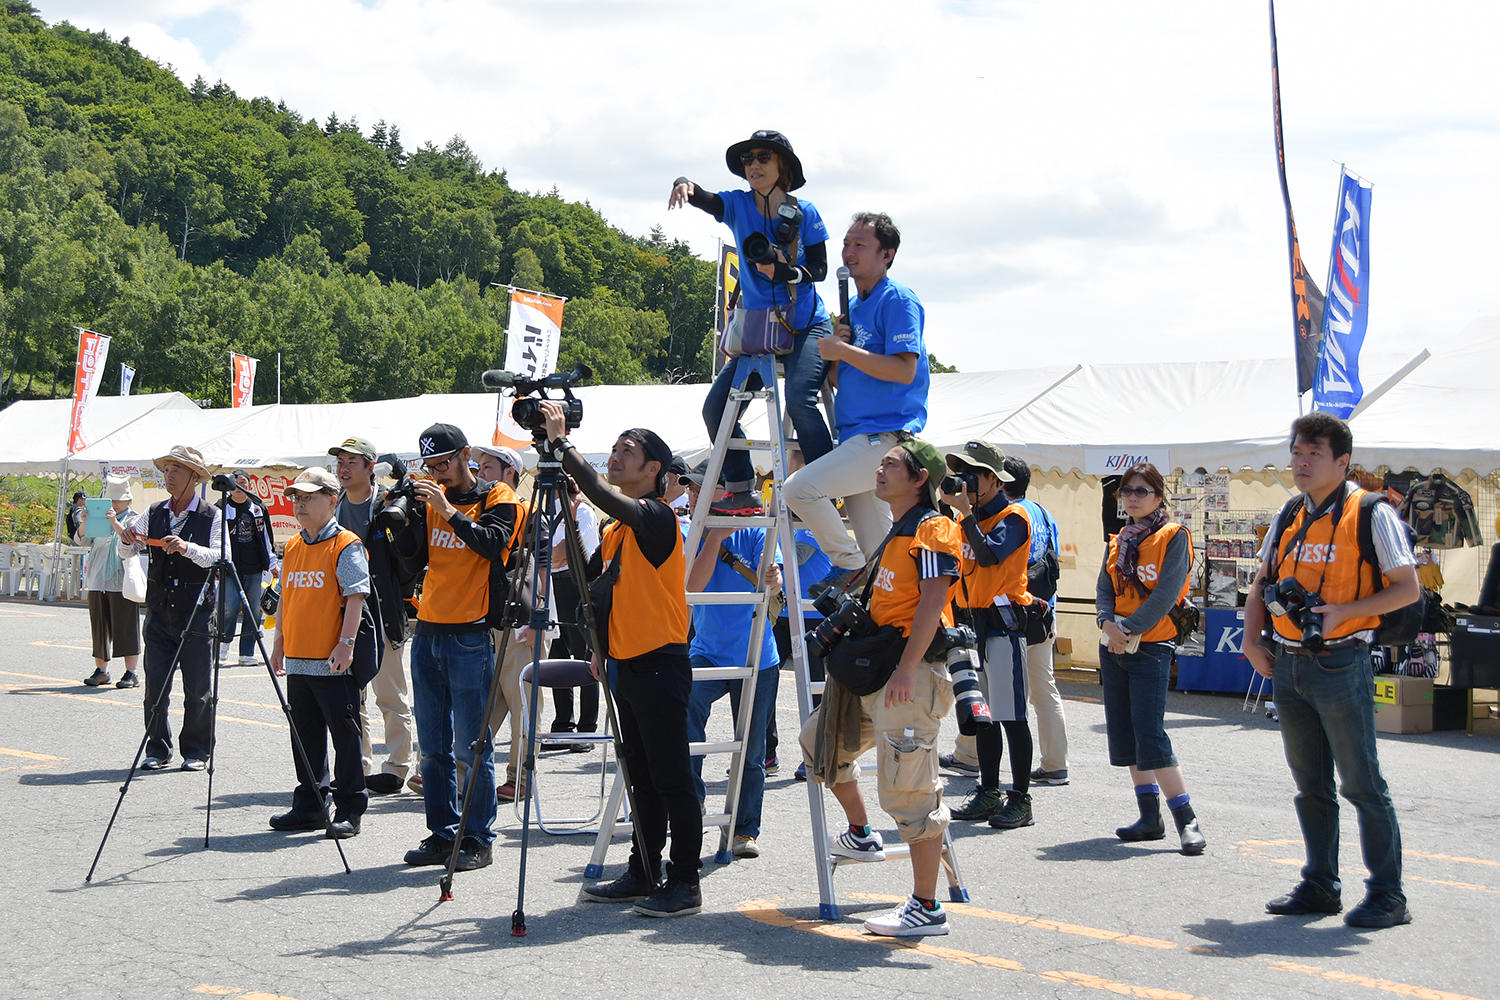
(929, 458)
(509, 456)
(980, 455)
(678, 466)
(441, 439)
(697, 474)
(313, 481)
(355, 446)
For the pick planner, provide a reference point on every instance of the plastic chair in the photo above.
(563, 674)
(36, 575)
(10, 570)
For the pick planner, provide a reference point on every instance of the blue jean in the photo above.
(1135, 706)
(805, 370)
(753, 781)
(1327, 709)
(246, 617)
(450, 680)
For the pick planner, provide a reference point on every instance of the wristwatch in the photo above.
(347, 641)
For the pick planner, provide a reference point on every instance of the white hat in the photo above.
(117, 488)
(509, 456)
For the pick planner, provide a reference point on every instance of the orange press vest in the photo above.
(983, 584)
(1327, 563)
(1153, 552)
(648, 608)
(312, 606)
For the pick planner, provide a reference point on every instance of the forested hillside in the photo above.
(186, 222)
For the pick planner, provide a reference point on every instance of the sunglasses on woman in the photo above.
(1135, 491)
(756, 156)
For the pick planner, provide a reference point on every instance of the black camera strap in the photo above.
(905, 527)
(1316, 514)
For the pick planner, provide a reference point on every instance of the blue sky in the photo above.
(1083, 181)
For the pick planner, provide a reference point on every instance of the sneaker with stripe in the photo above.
(910, 919)
(851, 845)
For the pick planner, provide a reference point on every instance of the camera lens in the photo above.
(758, 249)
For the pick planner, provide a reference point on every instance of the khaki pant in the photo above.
(910, 790)
(508, 704)
(390, 693)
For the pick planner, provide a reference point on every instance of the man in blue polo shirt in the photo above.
(880, 366)
(727, 562)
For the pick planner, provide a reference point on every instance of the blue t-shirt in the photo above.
(742, 215)
(1043, 534)
(813, 567)
(887, 321)
(721, 632)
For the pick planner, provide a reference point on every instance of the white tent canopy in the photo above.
(34, 433)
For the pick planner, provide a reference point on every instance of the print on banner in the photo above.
(1113, 461)
(729, 286)
(242, 390)
(93, 350)
(531, 342)
(127, 376)
(1337, 389)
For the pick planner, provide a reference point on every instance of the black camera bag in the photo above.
(862, 664)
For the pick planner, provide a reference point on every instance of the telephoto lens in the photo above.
(968, 695)
(758, 249)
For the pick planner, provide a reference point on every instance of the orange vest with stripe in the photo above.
(1327, 562)
(1153, 552)
(648, 608)
(456, 590)
(896, 590)
(982, 584)
(312, 607)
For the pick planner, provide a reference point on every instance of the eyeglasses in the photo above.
(1135, 491)
(302, 498)
(756, 156)
(436, 467)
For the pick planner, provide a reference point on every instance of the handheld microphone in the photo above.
(498, 378)
(843, 273)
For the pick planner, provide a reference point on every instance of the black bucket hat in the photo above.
(774, 141)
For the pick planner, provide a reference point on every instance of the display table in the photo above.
(1223, 666)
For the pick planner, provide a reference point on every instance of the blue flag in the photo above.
(1337, 389)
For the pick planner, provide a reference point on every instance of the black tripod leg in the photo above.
(158, 710)
(213, 704)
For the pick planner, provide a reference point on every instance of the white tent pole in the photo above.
(1074, 371)
(1390, 383)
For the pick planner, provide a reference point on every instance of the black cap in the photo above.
(656, 451)
(441, 439)
(78, 495)
(678, 466)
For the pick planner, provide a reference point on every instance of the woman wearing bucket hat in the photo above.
(781, 285)
(114, 622)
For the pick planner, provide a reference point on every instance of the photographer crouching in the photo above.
(640, 607)
(896, 706)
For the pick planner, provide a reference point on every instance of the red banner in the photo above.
(93, 349)
(243, 387)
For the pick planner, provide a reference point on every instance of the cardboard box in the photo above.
(1403, 704)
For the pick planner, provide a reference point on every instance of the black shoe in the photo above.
(675, 899)
(741, 503)
(950, 762)
(128, 680)
(1307, 897)
(98, 678)
(577, 747)
(1015, 814)
(1193, 841)
(1149, 826)
(981, 804)
(294, 820)
(432, 851)
(472, 854)
(626, 889)
(1378, 910)
(382, 784)
(343, 829)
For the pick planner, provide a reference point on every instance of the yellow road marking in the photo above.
(16, 612)
(91, 699)
(229, 991)
(28, 755)
(1251, 847)
(1386, 985)
(88, 697)
(60, 645)
(1041, 923)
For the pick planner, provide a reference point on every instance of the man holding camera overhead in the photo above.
(390, 692)
(461, 530)
(1321, 666)
(880, 365)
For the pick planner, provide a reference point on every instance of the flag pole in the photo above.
(278, 378)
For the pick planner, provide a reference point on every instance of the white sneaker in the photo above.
(850, 845)
(910, 919)
(249, 660)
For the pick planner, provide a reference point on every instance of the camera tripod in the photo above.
(208, 609)
(549, 488)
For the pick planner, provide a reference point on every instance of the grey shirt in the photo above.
(354, 578)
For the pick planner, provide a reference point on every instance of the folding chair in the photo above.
(563, 674)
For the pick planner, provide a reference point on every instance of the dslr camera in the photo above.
(399, 497)
(960, 483)
(843, 615)
(1288, 599)
(527, 409)
(761, 249)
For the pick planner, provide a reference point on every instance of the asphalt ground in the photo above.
(1059, 909)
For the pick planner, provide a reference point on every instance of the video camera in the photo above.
(399, 497)
(526, 410)
(759, 248)
(1288, 599)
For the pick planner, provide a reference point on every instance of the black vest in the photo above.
(247, 537)
(172, 582)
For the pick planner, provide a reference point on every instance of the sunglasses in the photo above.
(756, 156)
(1135, 491)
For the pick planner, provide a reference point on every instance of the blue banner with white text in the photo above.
(1337, 389)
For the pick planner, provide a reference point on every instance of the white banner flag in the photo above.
(127, 376)
(93, 351)
(530, 350)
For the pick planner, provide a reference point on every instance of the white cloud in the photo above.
(1073, 181)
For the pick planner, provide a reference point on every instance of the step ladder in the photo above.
(778, 523)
